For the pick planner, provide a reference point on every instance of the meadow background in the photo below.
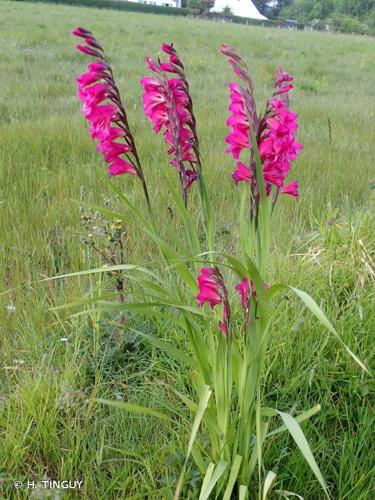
(53, 364)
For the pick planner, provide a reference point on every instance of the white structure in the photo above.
(160, 3)
(241, 8)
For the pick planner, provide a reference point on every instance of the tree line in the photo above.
(347, 15)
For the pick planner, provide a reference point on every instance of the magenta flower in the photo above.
(275, 131)
(283, 85)
(94, 95)
(213, 290)
(242, 173)
(246, 289)
(167, 103)
(105, 112)
(239, 137)
(119, 166)
(291, 189)
(278, 147)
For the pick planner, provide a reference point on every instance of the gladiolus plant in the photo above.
(222, 305)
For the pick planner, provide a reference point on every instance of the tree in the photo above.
(227, 11)
(307, 10)
(274, 7)
(262, 6)
(201, 7)
(348, 15)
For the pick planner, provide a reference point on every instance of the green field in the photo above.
(50, 425)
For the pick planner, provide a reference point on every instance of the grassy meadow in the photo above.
(54, 364)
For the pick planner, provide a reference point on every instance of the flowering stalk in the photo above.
(274, 133)
(168, 105)
(106, 239)
(106, 114)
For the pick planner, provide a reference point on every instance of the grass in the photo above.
(50, 425)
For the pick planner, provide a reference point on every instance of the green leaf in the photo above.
(207, 477)
(268, 412)
(248, 271)
(187, 401)
(133, 408)
(198, 458)
(287, 494)
(236, 266)
(232, 477)
(104, 269)
(315, 309)
(185, 215)
(174, 260)
(299, 418)
(130, 205)
(86, 302)
(208, 215)
(203, 403)
(242, 493)
(143, 307)
(297, 434)
(166, 347)
(256, 277)
(244, 215)
(319, 314)
(268, 483)
(274, 289)
(209, 486)
(169, 254)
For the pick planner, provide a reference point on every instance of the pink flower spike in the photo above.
(290, 189)
(119, 166)
(106, 113)
(168, 105)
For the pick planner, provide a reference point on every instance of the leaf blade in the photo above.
(133, 408)
(297, 434)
